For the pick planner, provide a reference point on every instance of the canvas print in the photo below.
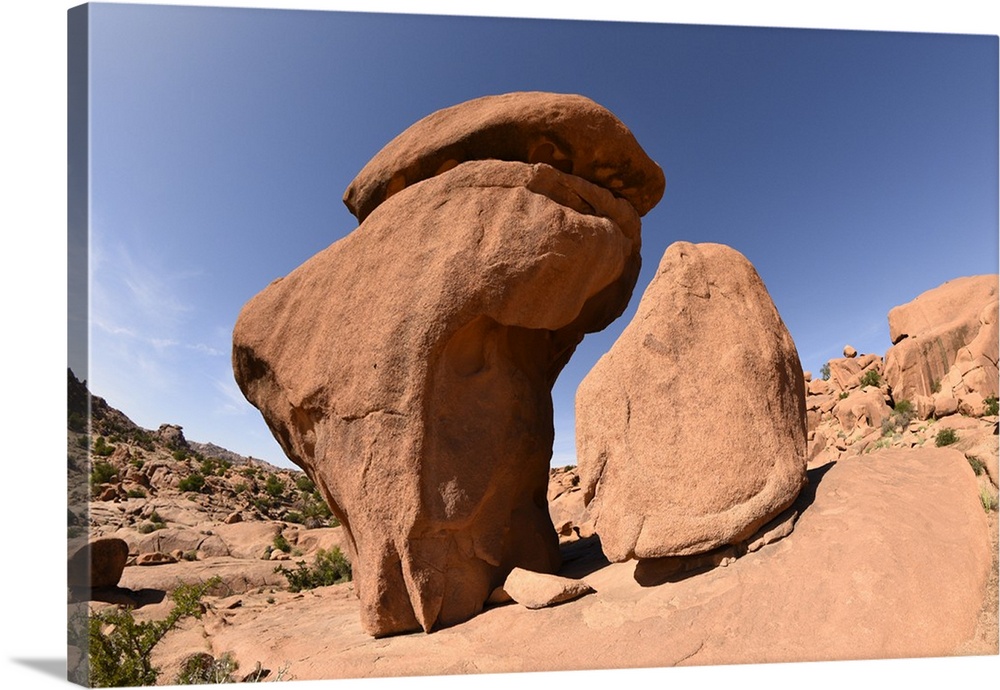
(411, 345)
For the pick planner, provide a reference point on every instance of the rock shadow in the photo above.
(582, 557)
(134, 598)
(651, 572)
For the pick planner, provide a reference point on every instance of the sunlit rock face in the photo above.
(408, 367)
(691, 430)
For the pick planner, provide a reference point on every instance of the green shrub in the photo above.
(991, 406)
(193, 482)
(274, 486)
(82, 442)
(305, 484)
(136, 493)
(240, 487)
(978, 466)
(77, 422)
(179, 454)
(204, 669)
(986, 498)
(281, 544)
(871, 378)
(329, 568)
(120, 647)
(102, 472)
(945, 437)
(101, 447)
(843, 395)
(936, 386)
(904, 407)
(294, 517)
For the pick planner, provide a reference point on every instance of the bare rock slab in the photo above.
(538, 590)
(691, 431)
(408, 367)
(949, 332)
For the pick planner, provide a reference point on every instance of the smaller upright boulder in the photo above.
(691, 430)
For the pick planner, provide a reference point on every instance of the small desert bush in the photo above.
(274, 486)
(102, 448)
(844, 395)
(987, 499)
(204, 669)
(281, 544)
(824, 371)
(120, 647)
(136, 493)
(102, 472)
(179, 454)
(329, 568)
(991, 406)
(945, 437)
(978, 466)
(900, 418)
(305, 484)
(871, 378)
(193, 482)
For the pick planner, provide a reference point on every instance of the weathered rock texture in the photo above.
(945, 343)
(691, 431)
(98, 563)
(408, 367)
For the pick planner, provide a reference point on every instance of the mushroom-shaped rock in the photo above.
(691, 430)
(408, 367)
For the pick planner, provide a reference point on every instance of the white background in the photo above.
(33, 271)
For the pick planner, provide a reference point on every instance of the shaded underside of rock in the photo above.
(99, 563)
(408, 368)
(569, 132)
(691, 431)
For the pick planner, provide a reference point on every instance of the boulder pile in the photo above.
(408, 367)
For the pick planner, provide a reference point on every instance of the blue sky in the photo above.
(855, 169)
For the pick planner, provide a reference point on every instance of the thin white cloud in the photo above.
(233, 402)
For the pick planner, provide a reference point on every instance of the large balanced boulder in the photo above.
(945, 342)
(408, 367)
(98, 563)
(691, 431)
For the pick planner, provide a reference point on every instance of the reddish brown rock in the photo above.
(538, 590)
(408, 367)
(691, 431)
(850, 352)
(568, 132)
(953, 323)
(846, 373)
(865, 407)
(99, 563)
(154, 558)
